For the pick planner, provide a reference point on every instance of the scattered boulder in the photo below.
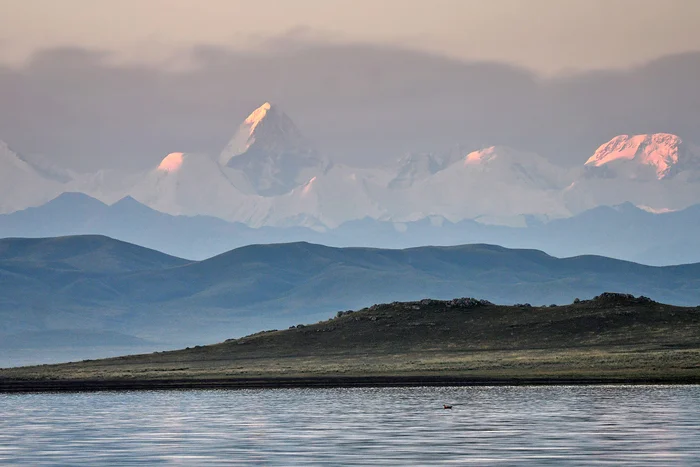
(467, 303)
(608, 298)
(339, 314)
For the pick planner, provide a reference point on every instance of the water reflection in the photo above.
(487, 426)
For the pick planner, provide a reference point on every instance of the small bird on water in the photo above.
(445, 406)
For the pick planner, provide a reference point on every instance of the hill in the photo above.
(84, 254)
(611, 338)
(99, 284)
(623, 232)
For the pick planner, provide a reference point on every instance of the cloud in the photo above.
(360, 103)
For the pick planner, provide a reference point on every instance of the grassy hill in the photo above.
(612, 337)
(93, 283)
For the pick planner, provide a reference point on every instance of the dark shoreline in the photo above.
(23, 386)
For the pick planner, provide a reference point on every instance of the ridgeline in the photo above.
(613, 338)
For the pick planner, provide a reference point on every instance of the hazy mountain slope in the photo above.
(87, 254)
(68, 338)
(84, 282)
(192, 237)
(96, 284)
(623, 232)
(56, 296)
(66, 214)
(313, 273)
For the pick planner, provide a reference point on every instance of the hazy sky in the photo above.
(104, 83)
(547, 35)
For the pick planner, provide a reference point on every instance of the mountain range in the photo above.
(623, 231)
(56, 292)
(270, 175)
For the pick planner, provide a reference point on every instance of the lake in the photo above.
(532, 425)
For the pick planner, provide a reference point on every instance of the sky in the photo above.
(545, 35)
(95, 84)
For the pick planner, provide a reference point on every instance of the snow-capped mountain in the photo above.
(657, 156)
(269, 156)
(270, 175)
(493, 185)
(267, 175)
(340, 195)
(193, 184)
(414, 167)
(657, 171)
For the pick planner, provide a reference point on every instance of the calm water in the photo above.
(640, 425)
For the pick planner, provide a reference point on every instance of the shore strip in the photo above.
(25, 386)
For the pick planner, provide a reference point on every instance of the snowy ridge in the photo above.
(270, 175)
(22, 184)
(660, 151)
(245, 136)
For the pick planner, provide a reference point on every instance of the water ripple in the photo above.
(608, 425)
